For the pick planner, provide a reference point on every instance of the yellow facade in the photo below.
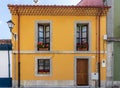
(63, 55)
(62, 40)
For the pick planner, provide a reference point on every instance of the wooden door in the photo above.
(82, 72)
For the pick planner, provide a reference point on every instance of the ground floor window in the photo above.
(43, 66)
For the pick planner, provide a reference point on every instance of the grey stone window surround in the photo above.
(36, 66)
(89, 35)
(89, 68)
(36, 33)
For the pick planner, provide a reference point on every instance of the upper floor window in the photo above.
(82, 37)
(43, 37)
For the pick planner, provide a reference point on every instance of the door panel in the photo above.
(82, 72)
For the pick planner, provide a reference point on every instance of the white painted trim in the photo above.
(36, 66)
(56, 52)
(89, 34)
(89, 68)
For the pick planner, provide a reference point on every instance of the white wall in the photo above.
(4, 64)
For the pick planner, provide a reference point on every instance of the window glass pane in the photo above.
(40, 67)
(47, 62)
(78, 35)
(41, 64)
(47, 40)
(78, 29)
(47, 67)
(40, 61)
(84, 41)
(84, 35)
(41, 28)
(47, 28)
(84, 29)
(47, 34)
(41, 40)
(77, 40)
(40, 34)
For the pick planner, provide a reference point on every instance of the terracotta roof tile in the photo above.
(5, 41)
(90, 3)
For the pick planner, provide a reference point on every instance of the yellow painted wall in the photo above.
(63, 40)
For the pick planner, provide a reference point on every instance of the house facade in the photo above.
(59, 45)
(5, 58)
(116, 44)
(113, 73)
(5, 63)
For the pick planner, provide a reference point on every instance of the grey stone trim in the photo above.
(110, 19)
(95, 85)
(14, 83)
(116, 84)
(36, 35)
(57, 52)
(103, 83)
(56, 84)
(89, 33)
(14, 66)
(89, 68)
(110, 49)
(110, 64)
(47, 83)
(36, 66)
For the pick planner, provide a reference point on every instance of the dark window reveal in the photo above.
(43, 66)
(82, 37)
(43, 37)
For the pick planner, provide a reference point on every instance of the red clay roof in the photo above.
(90, 3)
(5, 41)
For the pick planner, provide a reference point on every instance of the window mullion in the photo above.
(38, 65)
(44, 34)
(81, 34)
(49, 37)
(87, 36)
(44, 65)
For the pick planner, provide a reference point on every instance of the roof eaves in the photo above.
(62, 6)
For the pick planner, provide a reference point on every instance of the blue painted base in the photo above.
(5, 82)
